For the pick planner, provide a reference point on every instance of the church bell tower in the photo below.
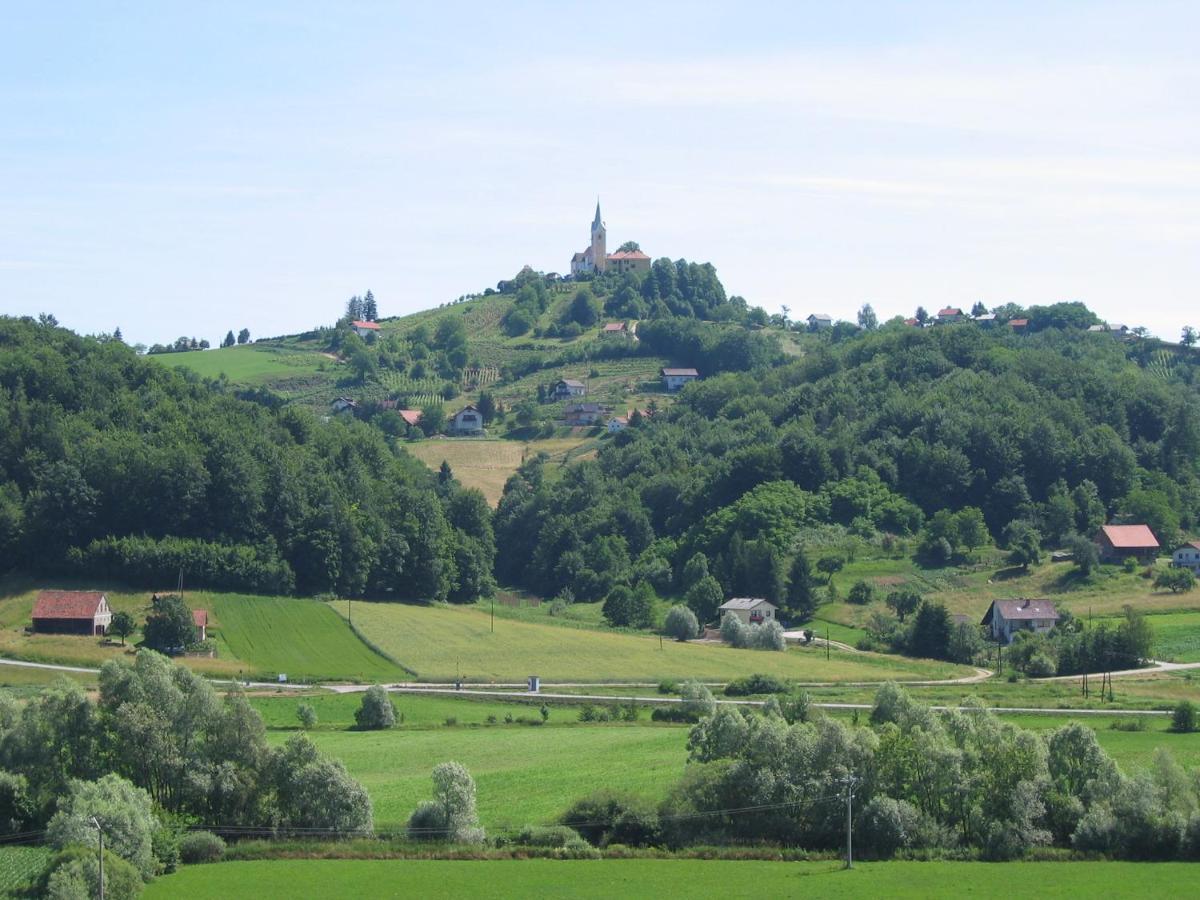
(599, 251)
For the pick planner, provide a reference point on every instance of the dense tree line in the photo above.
(953, 435)
(115, 465)
(963, 783)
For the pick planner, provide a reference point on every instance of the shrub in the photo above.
(668, 687)
(1176, 580)
(546, 836)
(307, 716)
(376, 711)
(74, 874)
(1183, 717)
(681, 624)
(1129, 564)
(201, 847)
(861, 593)
(605, 818)
(887, 825)
(1135, 724)
(734, 631)
(756, 684)
(768, 636)
(674, 713)
(451, 814)
(697, 699)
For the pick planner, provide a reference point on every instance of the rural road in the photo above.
(1153, 669)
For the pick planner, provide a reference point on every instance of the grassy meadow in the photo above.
(655, 878)
(441, 643)
(250, 363)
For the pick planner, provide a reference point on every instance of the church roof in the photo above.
(628, 254)
(596, 223)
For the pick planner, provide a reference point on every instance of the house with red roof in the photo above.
(950, 314)
(71, 612)
(1005, 618)
(1118, 542)
(200, 620)
(362, 329)
(1019, 326)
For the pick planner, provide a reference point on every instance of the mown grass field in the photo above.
(524, 774)
(441, 643)
(719, 879)
(1176, 635)
(487, 464)
(19, 866)
(336, 711)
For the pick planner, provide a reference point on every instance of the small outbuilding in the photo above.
(751, 610)
(468, 420)
(344, 404)
(1005, 618)
(71, 612)
(1117, 542)
(200, 620)
(1187, 557)
(819, 322)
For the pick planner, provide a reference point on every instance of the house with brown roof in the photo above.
(584, 413)
(1187, 557)
(566, 388)
(614, 329)
(950, 314)
(1018, 326)
(71, 612)
(675, 379)
(362, 329)
(200, 620)
(1118, 542)
(1005, 618)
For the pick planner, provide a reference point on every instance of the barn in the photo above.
(71, 612)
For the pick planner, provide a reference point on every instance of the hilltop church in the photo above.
(596, 258)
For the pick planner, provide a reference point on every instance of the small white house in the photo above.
(819, 322)
(362, 329)
(617, 423)
(751, 610)
(675, 379)
(468, 420)
(343, 404)
(1005, 618)
(1187, 557)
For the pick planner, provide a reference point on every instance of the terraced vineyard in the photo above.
(1162, 363)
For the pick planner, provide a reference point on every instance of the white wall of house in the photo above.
(759, 615)
(1187, 558)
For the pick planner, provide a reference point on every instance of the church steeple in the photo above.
(596, 223)
(599, 249)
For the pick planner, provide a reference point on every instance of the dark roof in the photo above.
(570, 382)
(682, 372)
(470, 407)
(1130, 537)
(66, 604)
(1014, 610)
(584, 408)
(745, 603)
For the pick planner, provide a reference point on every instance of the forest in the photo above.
(949, 437)
(113, 465)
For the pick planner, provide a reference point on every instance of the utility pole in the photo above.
(826, 643)
(493, 613)
(849, 781)
(100, 835)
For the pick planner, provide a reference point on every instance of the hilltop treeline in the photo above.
(111, 464)
(891, 431)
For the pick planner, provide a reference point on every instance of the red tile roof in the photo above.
(1130, 537)
(615, 326)
(200, 618)
(950, 311)
(1018, 323)
(371, 325)
(67, 604)
(628, 254)
(411, 416)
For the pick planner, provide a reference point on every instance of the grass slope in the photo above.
(524, 774)
(487, 464)
(442, 642)
(719, 879)
(250, 363)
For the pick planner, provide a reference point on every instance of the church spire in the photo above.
(596, 223)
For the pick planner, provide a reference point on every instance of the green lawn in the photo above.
(336, 711)
(303, 638)
(21, 865)
(524, 774)
(249, 363)
(1176, 635)
(718, 879)
(440, 642)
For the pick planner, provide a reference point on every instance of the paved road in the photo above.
(1153, 669)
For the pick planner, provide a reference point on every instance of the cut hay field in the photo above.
(486, 464)
(255, 636)
(524, 774)
(330, 879)
(1176, 635)
(441, 643)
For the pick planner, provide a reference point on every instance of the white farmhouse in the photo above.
(468, 420)
(1005, 618)
(1187, 557)
(674, 379)
(751, 610)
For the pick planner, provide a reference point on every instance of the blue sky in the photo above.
(182, 168)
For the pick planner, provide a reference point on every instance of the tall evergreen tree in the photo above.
(800, 599)
(244, 336)
(230, 340)
(354, 309)
(370, 312)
